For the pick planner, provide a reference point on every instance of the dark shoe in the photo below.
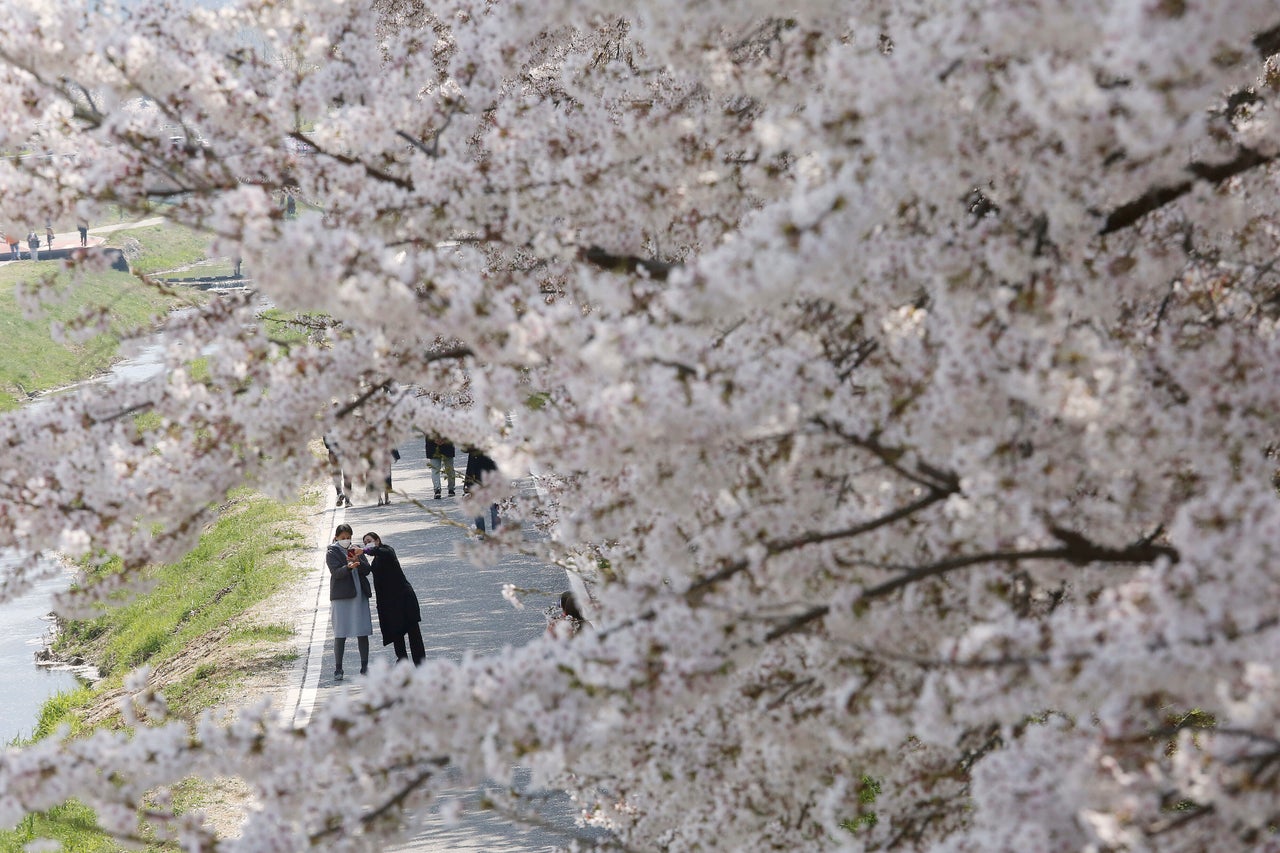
(438, 495)
(364, 670)
(379, 501)
(337, 676)
(388, 501)
(450, 493)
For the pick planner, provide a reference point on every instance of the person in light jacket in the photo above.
(349, 595)
(440, 455)
(341, 480)
(398, 610)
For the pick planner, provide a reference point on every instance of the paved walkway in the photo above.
(71, 239)
(462, 611)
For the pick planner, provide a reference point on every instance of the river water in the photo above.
(25, 621)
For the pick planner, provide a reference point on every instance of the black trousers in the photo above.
(415, 645)
(340, 648)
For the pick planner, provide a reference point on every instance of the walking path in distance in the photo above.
(71, 239)
(463, 611)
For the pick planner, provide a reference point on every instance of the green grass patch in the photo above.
(228, 571)
(33, 362)
(290, 330)
(161, 247)
(242, 558)
(204, 688)
(61, 708)
(72, 823)
(268, 633)
(219, 268)
(868, 790)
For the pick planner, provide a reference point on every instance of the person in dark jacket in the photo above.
(569, 622)
(349, 595)
(398, 611)
(440, 454)
(479, 466)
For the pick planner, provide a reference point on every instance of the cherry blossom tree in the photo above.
(903, 377)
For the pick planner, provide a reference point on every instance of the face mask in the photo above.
(369, 546)
(344, 543)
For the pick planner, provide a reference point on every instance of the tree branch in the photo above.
(376, 174)
(433, 150)
(929, 476)
(695, 592)
(1157, 197)
(1267, 42)
(1075, 549)
(599, 257)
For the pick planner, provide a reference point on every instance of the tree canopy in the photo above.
(902, 375)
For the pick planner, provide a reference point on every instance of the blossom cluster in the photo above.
(902, 376)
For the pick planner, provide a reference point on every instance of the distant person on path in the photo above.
(83, 228)
(398, 610)
(15, 245)
(349, 595)
(478, 467)
(341, 482)
(48, 233)
(570, 622)
(33, 243)
(440, 453)
(393, 456)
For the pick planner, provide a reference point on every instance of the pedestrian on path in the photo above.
(398, 610)
(349, 595)
(48, 233)
(83, 227)
(478, 467)
(341, 481)
(393, 456)
(570, 621)
(15, 245)
(440, 454)
(33, 243)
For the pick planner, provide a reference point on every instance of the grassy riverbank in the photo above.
(160, 247)
(218, 625)
(34, 362)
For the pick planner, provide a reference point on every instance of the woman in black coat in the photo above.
(398, 612)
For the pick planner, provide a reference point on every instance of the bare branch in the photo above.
(1157, 197)
(376, 174)
(658, 270)
(1076, 550)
